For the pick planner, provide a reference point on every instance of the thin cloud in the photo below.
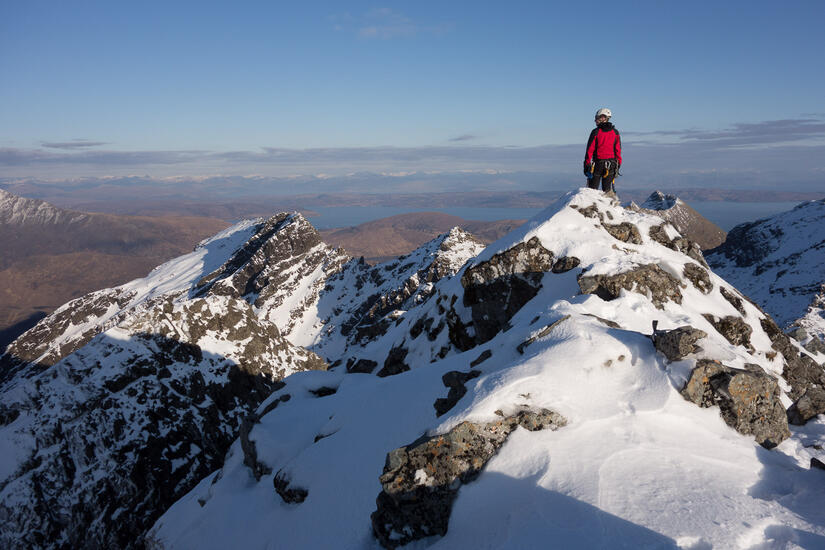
(385, 24)
(71, 145)
(465, 137)
(743, 134)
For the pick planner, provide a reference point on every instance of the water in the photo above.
(346, 216)
(727, 215)
(724, 214)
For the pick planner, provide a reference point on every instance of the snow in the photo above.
(787, 281)
(637, 466)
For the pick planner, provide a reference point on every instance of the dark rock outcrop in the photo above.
(497, 288)
(454, 380)
(421, 481)
(748, 399)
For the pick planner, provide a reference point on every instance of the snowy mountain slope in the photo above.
(779, 262)
(115, 405)
(541, 349)
(685, 219)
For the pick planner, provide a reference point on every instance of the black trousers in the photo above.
(604, 172)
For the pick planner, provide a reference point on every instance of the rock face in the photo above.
(748, 399)
(421, 481)
(686, 220)
(127, 397)
(496, 289)
(778, 262)
(145, 403)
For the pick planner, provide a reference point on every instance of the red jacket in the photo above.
(604, 143)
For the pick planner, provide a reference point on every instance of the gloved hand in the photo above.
(588, 169)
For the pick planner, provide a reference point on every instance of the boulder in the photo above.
(649, 279)
(748, 399)
(421, 481)
(811, 404)
(678, 343)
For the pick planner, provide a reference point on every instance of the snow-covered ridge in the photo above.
(553, 321)
(779, 262)
(154, 379)
(19, 211)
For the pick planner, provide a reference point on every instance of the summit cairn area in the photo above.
(586, 379)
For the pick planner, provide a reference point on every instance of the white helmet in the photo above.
(604, 111)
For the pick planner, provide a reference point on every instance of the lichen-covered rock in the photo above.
(699, 277)
(420, 481)
(733, 328)
(651, 280)
(497, 288)
(625, 232)
(809, 405)
(748, 399)
(678, 343)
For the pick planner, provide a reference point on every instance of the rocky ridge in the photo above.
(684, 218)
(554, 319)
(120, 401)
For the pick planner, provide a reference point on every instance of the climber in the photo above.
(603, 156)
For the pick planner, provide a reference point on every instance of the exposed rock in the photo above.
(733, 328)
(454, 380)
(602, 320)
(809, 405)
(364, 366)
(625, 232)
(699, 277)
(817, 464)
(496, 289)
(748, 399)
(687, 221)
(680, 244)
(420, 481)
(394, 364)
(678, 343)
(289, 494)
(565, 264)
(486, 354)
(801, 371)
(815, 345)
(733, 299)
(542, 333)
(651, 280)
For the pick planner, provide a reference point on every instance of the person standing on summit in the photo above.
(603, 156)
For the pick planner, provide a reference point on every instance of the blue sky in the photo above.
(277, 88)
